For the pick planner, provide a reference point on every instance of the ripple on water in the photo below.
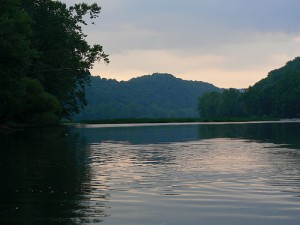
(218, 180)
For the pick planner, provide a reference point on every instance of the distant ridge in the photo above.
(159, 95)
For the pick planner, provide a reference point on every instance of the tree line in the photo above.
(277, 95)
(44, 60)
(149, 96)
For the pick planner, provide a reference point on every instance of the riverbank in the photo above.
(173, 120)
(17, 127)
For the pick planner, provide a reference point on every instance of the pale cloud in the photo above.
(238, 64)
(226, 78)
(297, 39)
(204, 68)
(149, 61)
(231, 43)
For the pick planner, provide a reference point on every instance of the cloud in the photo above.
(206, 25)
(209, 68)
(233, 40)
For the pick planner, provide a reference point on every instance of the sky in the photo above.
(229, 43)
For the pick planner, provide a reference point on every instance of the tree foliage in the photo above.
(43, 40)
(15, 55)
(65, 57)
(228, 103)
(277, 95)
(149, 96)
(38, 106)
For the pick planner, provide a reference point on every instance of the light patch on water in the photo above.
(222, 179)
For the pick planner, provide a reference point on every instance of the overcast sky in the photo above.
(230, 43)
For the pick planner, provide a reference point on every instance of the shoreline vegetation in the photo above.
(172, 120)
(44, 79)
(10, 128)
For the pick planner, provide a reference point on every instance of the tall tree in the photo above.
(15, 56)
(64, 56)
(44, 59)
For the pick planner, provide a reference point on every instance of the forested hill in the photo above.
(150, 96)
(277, 95)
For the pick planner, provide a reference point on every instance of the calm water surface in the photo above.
(153, 175)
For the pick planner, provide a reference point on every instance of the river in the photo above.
(152, 174)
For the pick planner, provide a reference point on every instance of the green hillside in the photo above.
(150, 96)
(277, 95)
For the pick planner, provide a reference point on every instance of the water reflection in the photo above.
(140, 134)
(218, 174)
(45, 179)
(218, 181)
(277, 133)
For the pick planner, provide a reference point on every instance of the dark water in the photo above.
(153, 175)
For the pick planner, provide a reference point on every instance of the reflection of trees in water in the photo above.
(128, 167)
(140, 134)
(46, 179)
(277, 133)
(286, 164)
(284, 156)
(154, 154)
